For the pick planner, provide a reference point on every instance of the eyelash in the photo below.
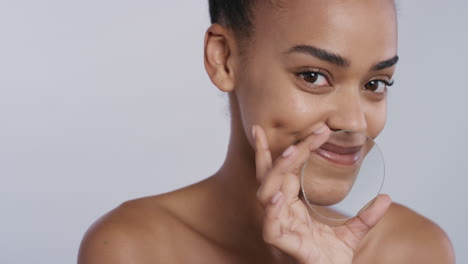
(327, 77)
(387, 83)
(316, 71)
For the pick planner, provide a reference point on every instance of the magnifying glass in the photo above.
(342, 177)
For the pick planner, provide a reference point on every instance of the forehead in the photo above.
(347, 27)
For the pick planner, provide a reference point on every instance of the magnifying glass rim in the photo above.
(347, 218)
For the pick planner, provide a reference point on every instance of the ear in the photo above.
(219, 57)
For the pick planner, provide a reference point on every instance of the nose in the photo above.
(348, 113)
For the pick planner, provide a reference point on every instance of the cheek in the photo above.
(283, 111)
(376, 119)
(291, 112)
(294, 123)
(290, 118)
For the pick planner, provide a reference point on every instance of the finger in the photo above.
(295, 155)
(290, 161)
(263, 161)
(371, 215)
(290, 187)
(272, 220)
(366, 220)
(275, 227)
(281, 231)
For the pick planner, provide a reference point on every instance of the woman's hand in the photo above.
(287, 223)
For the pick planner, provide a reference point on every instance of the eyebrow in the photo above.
(386, 63)
(319, 54)
(336, 59)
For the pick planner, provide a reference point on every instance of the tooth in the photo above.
(325, 153)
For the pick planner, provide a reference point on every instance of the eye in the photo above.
(378, 86)
(314, 78)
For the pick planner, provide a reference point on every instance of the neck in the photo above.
(233, 209)
(235, 185)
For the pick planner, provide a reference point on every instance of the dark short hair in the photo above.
(236, 15)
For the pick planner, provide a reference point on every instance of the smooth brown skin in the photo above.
(221, 219)
(326, 183)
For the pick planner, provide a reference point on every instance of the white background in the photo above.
(104, 101)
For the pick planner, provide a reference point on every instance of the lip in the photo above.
(340, 155)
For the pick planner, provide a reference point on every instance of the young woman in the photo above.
(295, 71)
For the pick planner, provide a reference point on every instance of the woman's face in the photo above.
(315, 63)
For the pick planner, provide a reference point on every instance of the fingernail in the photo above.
(276, 197)
(320, 130)
(288, 151)
(253, 132)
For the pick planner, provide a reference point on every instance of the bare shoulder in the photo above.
(137, 231)
(404, 236)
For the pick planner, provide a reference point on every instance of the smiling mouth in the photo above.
(340, 155)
